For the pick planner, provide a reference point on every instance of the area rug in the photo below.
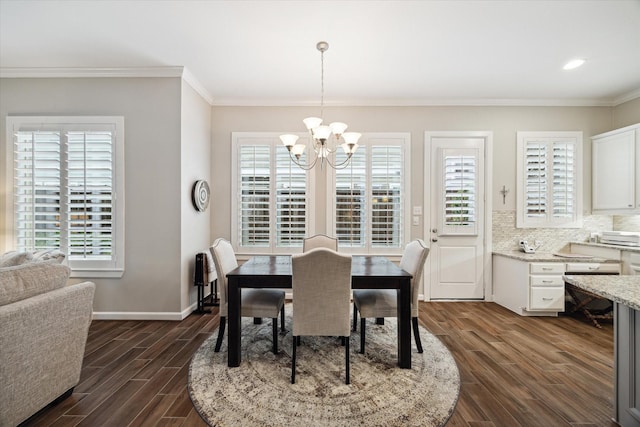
(259, 392)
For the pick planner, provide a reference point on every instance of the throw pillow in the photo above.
(14, 258)
(49, 255)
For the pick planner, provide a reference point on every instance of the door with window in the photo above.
(456, 221)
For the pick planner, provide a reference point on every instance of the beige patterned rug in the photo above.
(259, 392)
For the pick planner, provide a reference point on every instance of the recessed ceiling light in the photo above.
(574, 63)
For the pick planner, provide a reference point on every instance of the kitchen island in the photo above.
(624, 292)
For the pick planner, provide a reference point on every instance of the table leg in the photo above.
(404, 324)
(234, 357)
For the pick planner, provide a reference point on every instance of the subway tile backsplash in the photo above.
(506, 235)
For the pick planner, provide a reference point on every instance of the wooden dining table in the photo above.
(274, 271)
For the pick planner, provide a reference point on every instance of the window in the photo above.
(549, 172)
(460, 190)
(272, 206)
(370, 202)
(367, 206)
(68, 182)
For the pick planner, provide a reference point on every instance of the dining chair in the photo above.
(321, 281)
(256, 303)
(319, 241)
(381, 303)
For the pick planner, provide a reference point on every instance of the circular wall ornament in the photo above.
(200, 195)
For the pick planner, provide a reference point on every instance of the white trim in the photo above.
(140, 315)
(58, 72)
(180, 71)
(419, 102)
(488, 203)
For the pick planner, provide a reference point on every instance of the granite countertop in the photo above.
(605, 245)
(550, 257)
(621, 289)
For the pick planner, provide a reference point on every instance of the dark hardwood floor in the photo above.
(515, 371)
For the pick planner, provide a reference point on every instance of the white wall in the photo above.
(504, 122)
(195, 165)
(153, 183)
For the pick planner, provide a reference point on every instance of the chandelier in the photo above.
(323, 139)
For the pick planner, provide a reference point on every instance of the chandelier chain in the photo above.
(322, 84)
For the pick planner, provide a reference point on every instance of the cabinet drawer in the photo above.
(593, 267)
(547, 299)
(546, 268)
(546, 281)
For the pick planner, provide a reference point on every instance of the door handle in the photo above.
(434, 240)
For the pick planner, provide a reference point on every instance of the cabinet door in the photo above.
(614, 171)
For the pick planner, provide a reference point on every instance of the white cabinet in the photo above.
(616, 171)
(528, 288)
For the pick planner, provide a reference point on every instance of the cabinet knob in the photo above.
(434, 240)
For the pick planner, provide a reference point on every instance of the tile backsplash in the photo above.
(506, 235)
(626, 222)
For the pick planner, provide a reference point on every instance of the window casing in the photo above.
(67, 190)
(272, 195)
(549, 173)
(367, 202)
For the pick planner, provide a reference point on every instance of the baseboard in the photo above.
(135, 315)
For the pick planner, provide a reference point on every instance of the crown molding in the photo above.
(189, 78)
(411, 102)
(627, 97)
(114, 72)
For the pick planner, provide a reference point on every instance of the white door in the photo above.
(456, 223)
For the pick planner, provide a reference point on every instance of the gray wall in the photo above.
(155, 278)
(504, 122)
(626, 114)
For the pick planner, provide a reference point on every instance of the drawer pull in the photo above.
(547, 268)
(547, 281)
(547, 299)
(595, 267)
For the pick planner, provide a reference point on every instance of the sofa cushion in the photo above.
(24, 281)
(13, 258)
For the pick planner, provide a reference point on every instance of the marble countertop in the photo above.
(621, 289)
(550, 257)
(605, 245)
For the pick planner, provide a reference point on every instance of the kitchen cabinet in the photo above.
(528, 288)
(533, 284)
(616, 171)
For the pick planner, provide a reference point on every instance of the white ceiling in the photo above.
(381, 52)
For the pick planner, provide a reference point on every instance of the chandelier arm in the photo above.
(302, 166)
(341, 165)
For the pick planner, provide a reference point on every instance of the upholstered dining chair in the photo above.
(256, 303)
(381, 303)
(319, 241)
(321, 284)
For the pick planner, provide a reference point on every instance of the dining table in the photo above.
(274, 272)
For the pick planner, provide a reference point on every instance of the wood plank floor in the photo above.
(515, 371)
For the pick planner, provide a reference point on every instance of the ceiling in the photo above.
(381, 52)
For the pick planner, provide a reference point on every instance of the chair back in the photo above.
(413, 260)
(224, 259)
(321, 293)
(319, 241)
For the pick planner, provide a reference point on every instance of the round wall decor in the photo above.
(200, 195)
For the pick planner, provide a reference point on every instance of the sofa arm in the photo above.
(42, 342)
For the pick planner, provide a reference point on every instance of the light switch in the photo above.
(416, 220)
(417, 210)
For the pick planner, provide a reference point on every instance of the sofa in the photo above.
(44, 324)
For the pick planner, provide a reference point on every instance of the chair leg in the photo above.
(416, 333)
(274, 324)
(362, 332)
(223, 322)
(293, 360)
(282, 319)
(355, 318)
(346, 353)
(257, 320)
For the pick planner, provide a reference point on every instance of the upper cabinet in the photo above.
(616, 171)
